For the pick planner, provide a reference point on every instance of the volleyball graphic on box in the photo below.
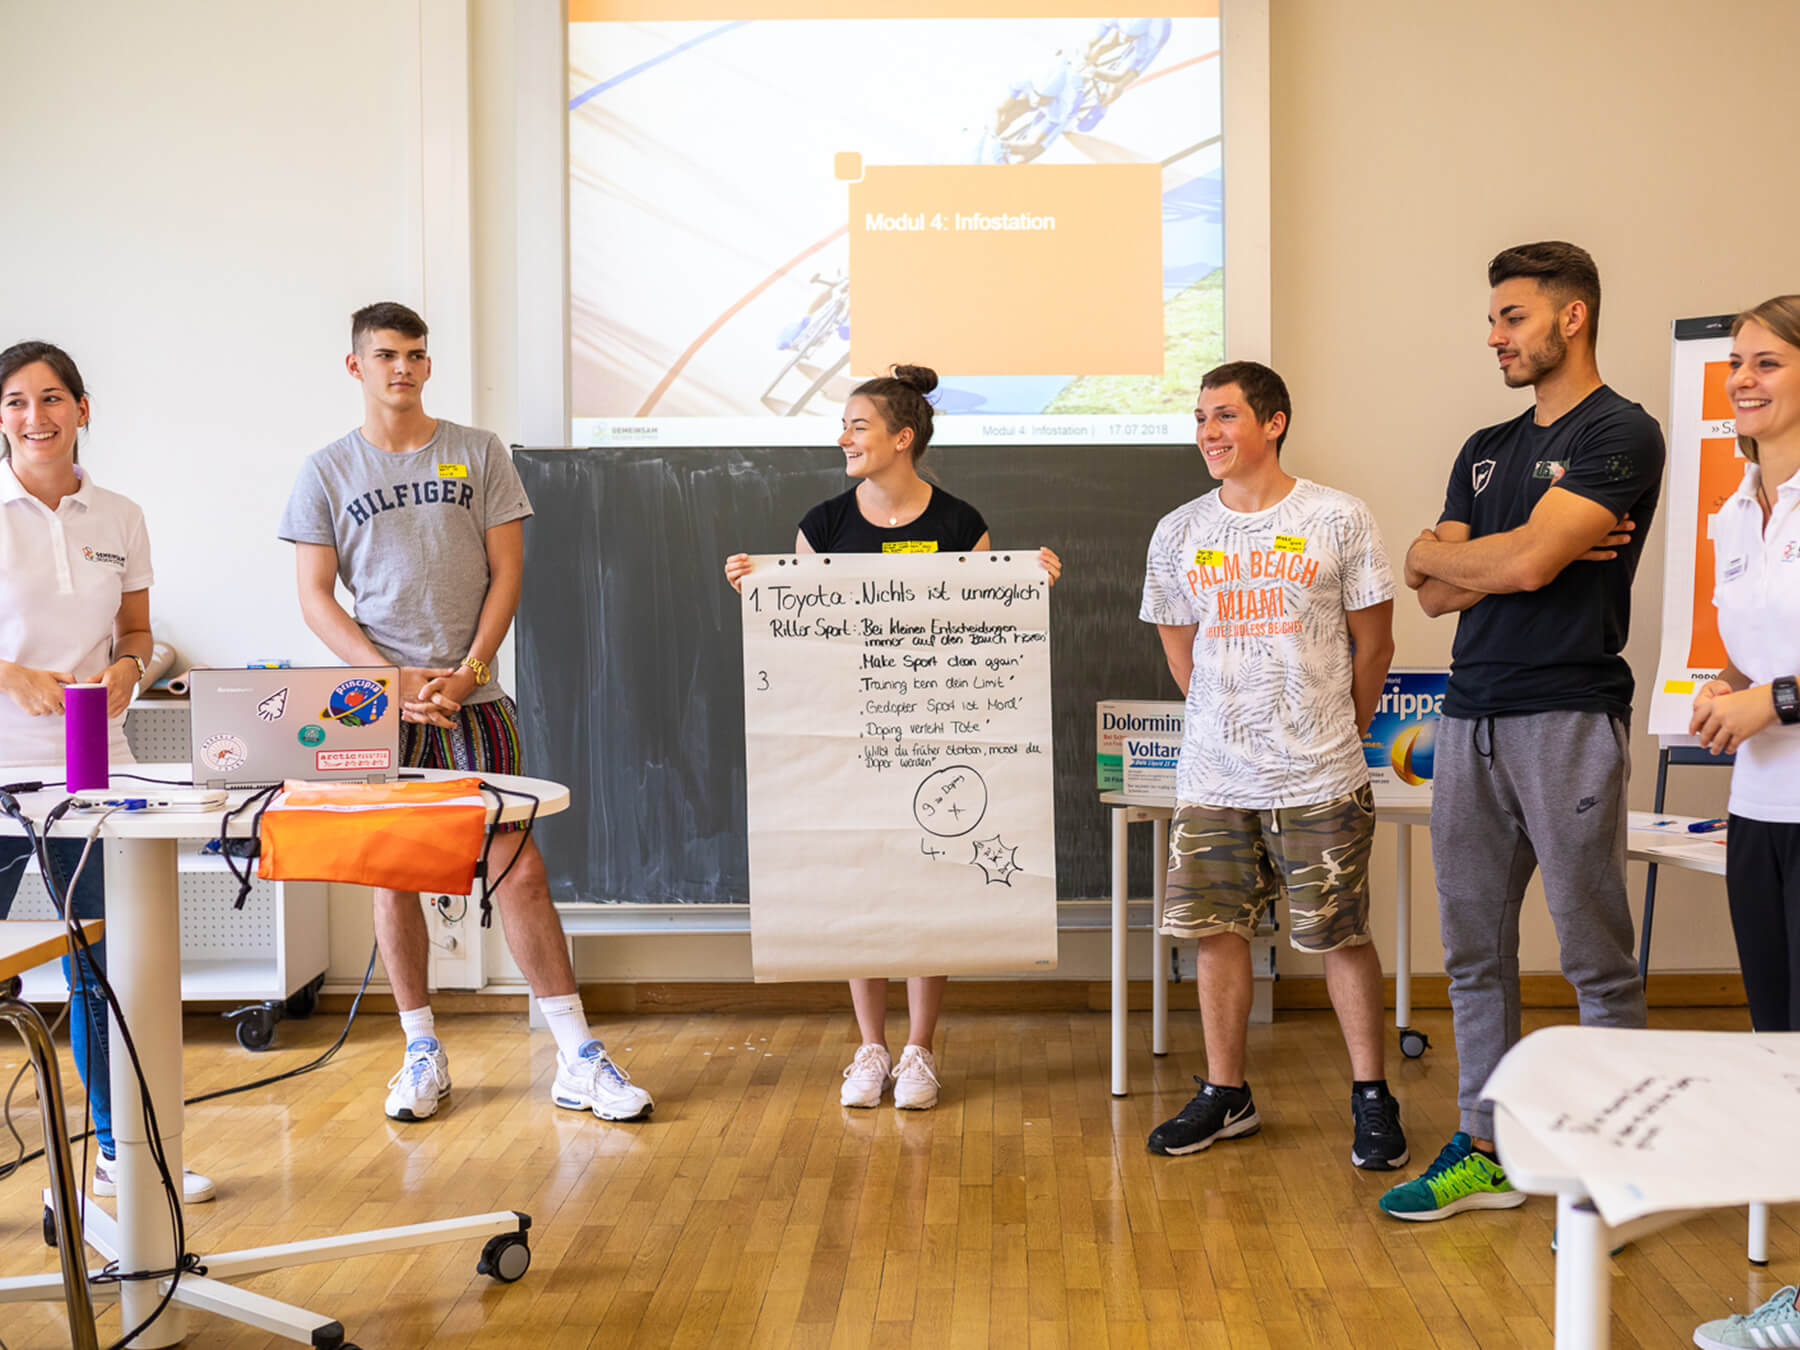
(1401, 744)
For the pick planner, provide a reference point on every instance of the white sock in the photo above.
(568, 1023)
(417, 1023)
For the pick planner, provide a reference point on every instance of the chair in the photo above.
(25, 943)
(1676, 756)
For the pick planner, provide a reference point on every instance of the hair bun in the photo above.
(922, 378)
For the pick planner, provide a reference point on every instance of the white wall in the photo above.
(199, 193)
(198, 196)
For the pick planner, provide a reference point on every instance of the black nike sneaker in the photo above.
(1215, 1113)
(1380, 1143)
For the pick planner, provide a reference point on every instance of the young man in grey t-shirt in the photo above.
(422, 520)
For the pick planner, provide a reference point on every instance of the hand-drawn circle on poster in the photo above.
(951, 801)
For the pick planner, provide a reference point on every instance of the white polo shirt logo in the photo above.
(1758, 601)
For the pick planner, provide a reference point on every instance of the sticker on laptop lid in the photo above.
(311, 734)
(274, 707)
(354, 759)
(357, 703)
(223, 752)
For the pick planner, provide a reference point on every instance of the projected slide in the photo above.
(770, 203)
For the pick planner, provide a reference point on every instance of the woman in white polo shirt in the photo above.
(74, 606)
(1752, 708)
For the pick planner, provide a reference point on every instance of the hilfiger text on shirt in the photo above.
(397, 496)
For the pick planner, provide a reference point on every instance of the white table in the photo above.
(1130, 810)
(144, 968)
(1539, 1165)
(1673, 847)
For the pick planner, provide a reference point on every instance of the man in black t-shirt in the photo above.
(1543, 525)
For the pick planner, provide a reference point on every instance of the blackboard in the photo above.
(630, 667)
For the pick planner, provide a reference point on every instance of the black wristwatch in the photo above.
(1787, 699)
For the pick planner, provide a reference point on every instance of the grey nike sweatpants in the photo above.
(1510, 794)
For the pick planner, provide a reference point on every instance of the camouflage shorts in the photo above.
(1226, 867)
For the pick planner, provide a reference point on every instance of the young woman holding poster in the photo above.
(1753, 709)
(74, 606)
(887, 429)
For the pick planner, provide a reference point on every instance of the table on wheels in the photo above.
(1669, 846)
(1128, 810)
(144, 967)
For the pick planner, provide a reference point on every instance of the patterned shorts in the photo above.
(485, 739)
(1226, 867)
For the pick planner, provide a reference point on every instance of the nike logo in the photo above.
(1232, 1119)
(1586, 804)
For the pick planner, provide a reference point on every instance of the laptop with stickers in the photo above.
(253, 727)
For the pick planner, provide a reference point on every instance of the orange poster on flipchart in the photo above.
(1704, 468)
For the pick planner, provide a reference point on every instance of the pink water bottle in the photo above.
(85, 732)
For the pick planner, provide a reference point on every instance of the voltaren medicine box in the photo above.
(1147, 731)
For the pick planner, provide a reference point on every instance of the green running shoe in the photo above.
(1460, 1179)
(1775, 1323)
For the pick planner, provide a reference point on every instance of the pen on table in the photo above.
(1707, 826)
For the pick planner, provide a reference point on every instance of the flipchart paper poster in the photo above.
(897, 742)
(1704, 469)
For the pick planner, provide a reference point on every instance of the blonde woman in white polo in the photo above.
(74, 606)
(1753, 708)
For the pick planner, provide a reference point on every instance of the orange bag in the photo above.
(409, 836)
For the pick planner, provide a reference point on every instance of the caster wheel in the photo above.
(305, 1000)
(1413, 1043)
(49, 1226)
(256, 1029)
(506, 1258)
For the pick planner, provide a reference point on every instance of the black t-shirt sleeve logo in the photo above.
(1481, 472)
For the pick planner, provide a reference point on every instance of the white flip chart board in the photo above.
(899, 769)
(1705, 468)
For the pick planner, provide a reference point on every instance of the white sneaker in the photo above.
(195, 1189)
(915, 1080)
(423, 1081)
(866, 1077)
(595, 1083)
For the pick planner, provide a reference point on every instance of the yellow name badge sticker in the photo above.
(910, 546)
(1679, 686)
(1209, 557)
(453, 471)
(1290, 543)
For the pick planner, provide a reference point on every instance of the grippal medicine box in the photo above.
(1136, 744)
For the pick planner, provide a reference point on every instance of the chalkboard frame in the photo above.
(629, 643)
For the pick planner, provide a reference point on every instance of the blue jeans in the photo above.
(87, 1018)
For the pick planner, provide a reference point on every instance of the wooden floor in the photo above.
(752, 1211)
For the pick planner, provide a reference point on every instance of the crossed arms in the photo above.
(1451, 571)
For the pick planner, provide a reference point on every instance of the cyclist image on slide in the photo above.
(1037, 110)
(827, 319)
(1119, 51)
